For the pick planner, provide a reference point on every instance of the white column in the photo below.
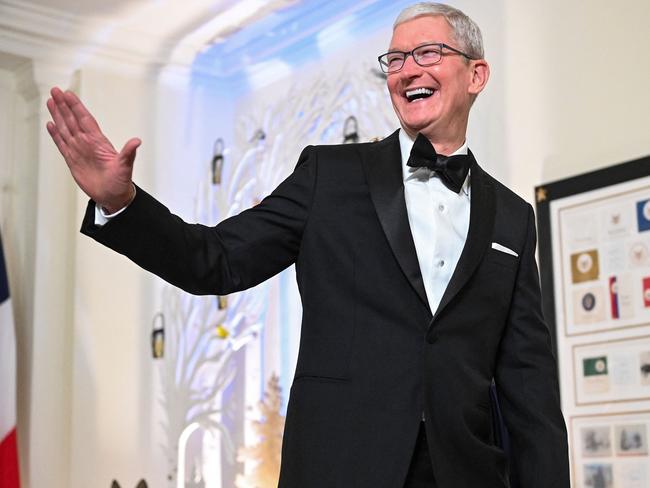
(42, 184)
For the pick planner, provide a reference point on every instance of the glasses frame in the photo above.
(406, 54)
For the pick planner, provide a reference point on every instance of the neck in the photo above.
(446, 134)
(447, 147)
(443, 144)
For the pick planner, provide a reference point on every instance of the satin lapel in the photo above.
(383, 168)
(481, 222)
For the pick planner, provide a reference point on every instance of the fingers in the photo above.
(77, 128)
(86, 121)
(78, 136)
(58, 140)
(127, 154)
(64, 110)
(65, 140)
(58, 119)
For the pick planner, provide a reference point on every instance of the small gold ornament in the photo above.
(222, 332)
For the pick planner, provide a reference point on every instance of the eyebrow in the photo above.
(394, 49)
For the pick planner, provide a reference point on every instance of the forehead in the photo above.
(420, 30)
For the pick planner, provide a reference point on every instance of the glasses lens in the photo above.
(427, 55)
(391, 62)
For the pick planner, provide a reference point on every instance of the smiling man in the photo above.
(429, 96)
(416, 271)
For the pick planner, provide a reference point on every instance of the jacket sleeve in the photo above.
(527, 382)
(236, 254)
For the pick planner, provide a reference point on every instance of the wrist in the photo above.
(110, 208)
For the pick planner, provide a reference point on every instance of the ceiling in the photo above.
(92, 7)
(218, 37)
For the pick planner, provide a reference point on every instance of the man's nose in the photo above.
(411, 68)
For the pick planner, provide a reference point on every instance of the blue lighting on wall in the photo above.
(292, 37)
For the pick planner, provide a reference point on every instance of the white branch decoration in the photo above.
(201, 338)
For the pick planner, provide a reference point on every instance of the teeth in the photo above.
(418, 92)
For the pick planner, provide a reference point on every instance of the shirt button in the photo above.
(441, 263)
(441, 208)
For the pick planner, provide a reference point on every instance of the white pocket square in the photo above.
(499, 247)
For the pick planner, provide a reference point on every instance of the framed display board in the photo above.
(594, 254)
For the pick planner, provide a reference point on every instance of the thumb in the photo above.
(127, 154)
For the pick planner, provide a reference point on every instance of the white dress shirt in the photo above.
(102, 217)
(439, 220)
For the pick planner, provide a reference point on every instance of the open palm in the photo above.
(100, 171)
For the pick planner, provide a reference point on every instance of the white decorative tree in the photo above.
(201, 336)
(204, 332)
(315, 113)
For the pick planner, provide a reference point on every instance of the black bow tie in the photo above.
(452, 170)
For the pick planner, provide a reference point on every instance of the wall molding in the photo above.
(43, 33)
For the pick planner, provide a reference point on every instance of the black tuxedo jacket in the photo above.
(373, 357)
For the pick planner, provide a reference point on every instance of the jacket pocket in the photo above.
(325, 351)
(501, 258)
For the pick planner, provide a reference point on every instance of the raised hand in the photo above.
(99, 170)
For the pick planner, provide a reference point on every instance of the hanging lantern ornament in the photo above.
(141, 484)
(258, 136)
(351, 130)
(217, 161)
(158, 336)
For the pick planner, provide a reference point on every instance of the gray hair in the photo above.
(465, 30)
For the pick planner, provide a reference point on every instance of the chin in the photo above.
(416, 126)
(417, 122)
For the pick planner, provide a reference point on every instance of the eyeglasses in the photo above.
(425, 55)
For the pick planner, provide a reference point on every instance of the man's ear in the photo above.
(480, 75)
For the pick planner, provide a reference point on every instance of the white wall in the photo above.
(116, 431)
(597, 78)
(577, 77)
(112, 379)
(36, 225)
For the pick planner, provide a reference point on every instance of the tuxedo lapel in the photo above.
(481, 222)
(383, 168)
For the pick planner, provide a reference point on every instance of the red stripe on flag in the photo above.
(9, 477)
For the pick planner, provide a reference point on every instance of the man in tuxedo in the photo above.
(416, 271)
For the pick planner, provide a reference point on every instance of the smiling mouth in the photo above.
(418, 94)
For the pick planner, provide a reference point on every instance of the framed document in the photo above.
(594, 253)
(611, 450)
(612, 371)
